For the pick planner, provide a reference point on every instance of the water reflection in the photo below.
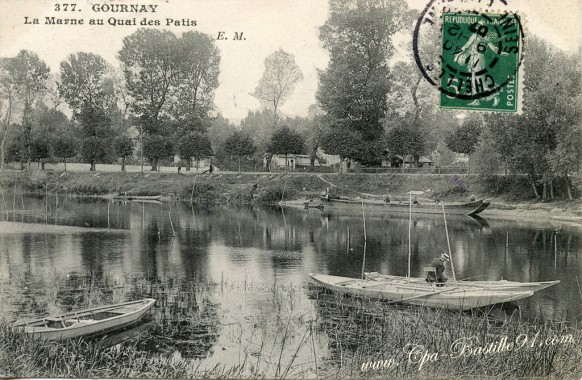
(256, 245)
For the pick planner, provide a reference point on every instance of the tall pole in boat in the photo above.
(449, 243)
(409, 226)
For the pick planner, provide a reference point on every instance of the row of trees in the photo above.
(160, 104)
(371, 109)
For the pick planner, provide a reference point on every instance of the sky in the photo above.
(267, 25)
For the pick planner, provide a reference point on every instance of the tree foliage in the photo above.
(285, 141)
(23, 79)
(65, 147)
(239, 144)
(199, 76)
(86, 80)
(465, 138)
(279, 79)
(195, 145)
(156, 147)
(405, 140)
(96, 134)
(151, 65)
(123, 146)
(353, 89)
(543, 143)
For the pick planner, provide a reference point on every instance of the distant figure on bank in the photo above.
(438, 275)
(210, 168)
(179, 169)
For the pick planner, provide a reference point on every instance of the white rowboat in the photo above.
(86, 322)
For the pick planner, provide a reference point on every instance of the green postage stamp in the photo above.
(481, 56)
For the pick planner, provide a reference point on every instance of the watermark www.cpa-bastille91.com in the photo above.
(418, 354)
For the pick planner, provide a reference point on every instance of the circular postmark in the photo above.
(478, 54)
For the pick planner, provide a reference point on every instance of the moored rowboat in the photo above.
(422, 294)
(86, 322)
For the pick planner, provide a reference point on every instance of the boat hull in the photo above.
(421, 294)
(430, 207)
(140, 198)
(87, 322)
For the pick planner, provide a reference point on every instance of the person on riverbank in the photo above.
(438, 275)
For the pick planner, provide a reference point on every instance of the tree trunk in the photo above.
(154, 165)
(92, 168)
(544, 190)
(286, 163)
(2, 152)
(239, 163)
(189, 164)
(123, 163)
(533, 185)
(65, 161)
(197, 164)
(42, 165)
(552, 189)
(568, 188)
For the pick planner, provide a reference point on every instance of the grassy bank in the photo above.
(233, 188)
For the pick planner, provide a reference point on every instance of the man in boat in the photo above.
(438, 275)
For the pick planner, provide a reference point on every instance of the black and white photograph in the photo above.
(291, 189)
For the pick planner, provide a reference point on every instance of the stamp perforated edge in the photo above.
(520, 70)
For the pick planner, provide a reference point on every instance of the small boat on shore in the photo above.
(403, 290)
(87, 322)
(426, 206)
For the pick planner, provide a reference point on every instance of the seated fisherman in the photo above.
(438, 275)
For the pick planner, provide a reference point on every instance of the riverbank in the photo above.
(508, 201)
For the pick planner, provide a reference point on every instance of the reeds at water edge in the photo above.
(291, 331)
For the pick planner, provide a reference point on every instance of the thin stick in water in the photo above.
(449, 243)
(171, 224)
(409, 227)
(365, 239)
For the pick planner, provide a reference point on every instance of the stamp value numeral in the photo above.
(65, 7)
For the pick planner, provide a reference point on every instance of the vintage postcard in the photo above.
(291, 189)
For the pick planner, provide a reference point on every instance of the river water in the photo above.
(234, 268)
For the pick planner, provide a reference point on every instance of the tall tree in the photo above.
(7, 100)
(29, 75)
(539, 142)
(279, 80)
(87, 86)
(352, 90)
(239, 144)
(404, 140)
(285, 141)
(465, 138)
(199, 76)
(96, 134)
(151, 65)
